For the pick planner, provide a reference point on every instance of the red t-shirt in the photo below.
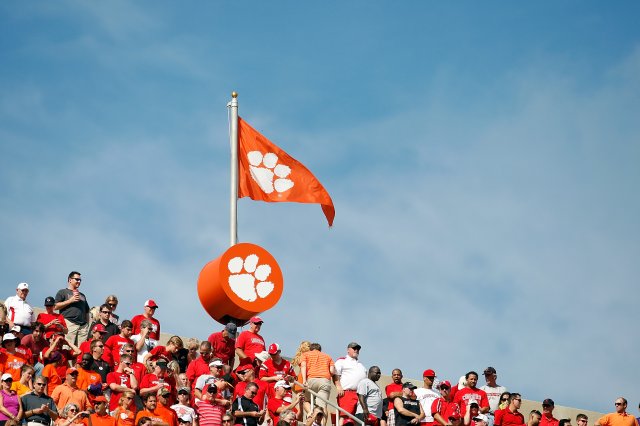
(115, 344)
(273, 405)
(548, 421)
(463, 396)
(120, 379)
(505, 417)
(160, 352)
(46, 318)
(250, 343)
(155, 331)
(270, 369)
(150, 380)
(195, 369)
(222, 348)
(444, 408)
(392, 388)
(34, 346)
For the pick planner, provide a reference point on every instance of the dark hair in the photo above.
(583, 416)
(38, 326)
(72, 273)
(105, 306)
(513, 396)
(252, 384)
(126, 324)
(149, 395)
(315, 347)
(466, 376)
(143, 419)
(563, 422)
(535, 412)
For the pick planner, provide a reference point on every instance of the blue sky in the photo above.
(482, 157)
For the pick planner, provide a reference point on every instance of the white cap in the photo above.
(282, 384)
(482, 417)
(23, 286)
(186, 417)
(9, 336)
(6, 376)
(263, 356)
(16, 328)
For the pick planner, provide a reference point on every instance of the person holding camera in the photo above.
(71, 416)
(212, 406)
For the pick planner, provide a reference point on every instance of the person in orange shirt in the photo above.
(317, 369)
(11, 361)
(69, 392)
(52, 371)
(101, 416)
(24, 385)
(123, 414)
(87, 377)
(162, 407)
(150, 403)
(619, 418)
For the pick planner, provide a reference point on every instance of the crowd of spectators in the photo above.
(73, 365)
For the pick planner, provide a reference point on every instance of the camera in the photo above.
(212, 388)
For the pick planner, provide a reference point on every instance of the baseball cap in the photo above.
(216, 363)
(354, 345)
(481, 417)
(150, 303)
(262, 356)
(100, 398)
(9, 336)
(455, 416)
(162, 363)
(95, 389)
(409, 385)
(49, 301)
(232, 329)
(273, 348)
(547, 401)
(445, 383)
(255, 320)
(489, 370)
(23, 286)
(99, 328)
(16, 328)
(5, 377)
(164, 391)
(184, 390)
(282, 384)
(186, 418)
(71, 370)
(429, 373)
(474, 402)
(243, 368)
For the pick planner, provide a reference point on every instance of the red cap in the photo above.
(99, 328)
(100, 398)
(429, 373)
(151, 303)
(274, 348)
(243, 368)
(255, 320)
(445, 383)
(71, 370)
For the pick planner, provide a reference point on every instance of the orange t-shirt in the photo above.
(153, 415)
(12, 363)
(98, 420)
(51, 373)
(124, 417)
(318, 364)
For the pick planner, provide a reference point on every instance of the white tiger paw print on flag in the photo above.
(267, 173)
(248, 280)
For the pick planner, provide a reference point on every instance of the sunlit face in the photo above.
(621, 405)
(75, 281)
(472, 380)
(396, 376)
(353, 352)
(151, 403)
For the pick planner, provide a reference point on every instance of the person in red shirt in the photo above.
(58, 343)
(51, 320)
(510, 416)
(122, 380)
(115, 343)
(223, 344)
(547, 418)
(97, 331)
(35, 342)
(149, 311)
(275, 369)
(442, 409)
(246, 374)
(151, 383)
(250, 342)
(470, 393)
(200, 365)
(282, 400)
(393, 390)
(168, 352)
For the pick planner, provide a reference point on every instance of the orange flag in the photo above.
(267, 173)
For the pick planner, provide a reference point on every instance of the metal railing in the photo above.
(337, 408)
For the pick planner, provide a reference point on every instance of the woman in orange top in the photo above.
(123, 415)
(51, 372)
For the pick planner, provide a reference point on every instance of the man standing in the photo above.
(200, 365)
(471, 393)
(619, 418)
(223, 344)
(246, 411)
(115, 344)
(276, 368)
(393, 390)
(349, 372)
(493, 389)
(510, 416)
(121, 380)
(370, 397)
(150, 307)
(547, 418)
(426, 395)
(317, 368)
(408, 410)
(104, 315)
(39, 408)
(73, 306)
(250, 342)
(19, 312)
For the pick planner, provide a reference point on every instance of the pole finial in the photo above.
(234, 94)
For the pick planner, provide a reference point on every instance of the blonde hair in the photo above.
(304, 347)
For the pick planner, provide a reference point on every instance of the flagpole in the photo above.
(233, 133)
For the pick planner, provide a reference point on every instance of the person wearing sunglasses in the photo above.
(547, 418)
(245, 410)
(150, 307)
(620, 417)
(104, 319)
(444, 408)
(122, 380)
(510, 416)
(123, 413)
(37, 406)
(504, 400)
(71, 415)
(75, 309)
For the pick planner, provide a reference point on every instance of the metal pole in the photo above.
(233, 134)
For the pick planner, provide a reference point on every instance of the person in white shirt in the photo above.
(19, 312)
(426, 395)
(349, 372)
(370, 397)
(493, 390)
